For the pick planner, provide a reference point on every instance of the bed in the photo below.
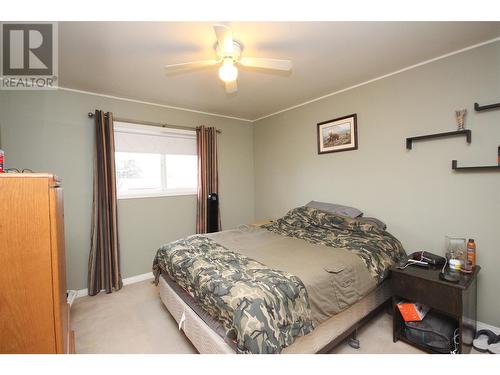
(297, 285)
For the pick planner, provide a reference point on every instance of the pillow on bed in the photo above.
(336, 209)
(373, 220)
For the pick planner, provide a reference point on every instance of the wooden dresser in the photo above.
(34, 314)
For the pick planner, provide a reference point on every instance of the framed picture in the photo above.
(340, 134)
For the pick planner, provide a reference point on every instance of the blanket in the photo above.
(263, 310)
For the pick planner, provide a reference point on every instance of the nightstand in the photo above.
(456, 301)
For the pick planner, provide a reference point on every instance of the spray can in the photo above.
(1, 160)
(470, 259)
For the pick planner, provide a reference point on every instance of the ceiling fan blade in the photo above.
(224, 39)
(189, 65)
(231, 87)
(263, 63)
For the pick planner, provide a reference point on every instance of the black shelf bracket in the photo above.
(467, 133)
(454, 166)
(479, 108)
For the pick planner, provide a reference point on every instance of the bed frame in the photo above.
(324, 338)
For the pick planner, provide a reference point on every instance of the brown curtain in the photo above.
(206, 142)
(104, 259)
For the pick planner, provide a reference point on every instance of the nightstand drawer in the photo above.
(435, 295)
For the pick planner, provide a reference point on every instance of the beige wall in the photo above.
(50, 131)
(415, 192)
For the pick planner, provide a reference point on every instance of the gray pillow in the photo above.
(336, 209)
(374, 221)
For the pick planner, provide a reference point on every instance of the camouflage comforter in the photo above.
(262, 309)
(378, 249)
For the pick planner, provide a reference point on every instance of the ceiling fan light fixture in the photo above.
(228, 71)
(228, 58)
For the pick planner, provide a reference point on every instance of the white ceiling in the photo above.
(126, 59)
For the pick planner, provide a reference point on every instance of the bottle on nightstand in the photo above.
(470, 258)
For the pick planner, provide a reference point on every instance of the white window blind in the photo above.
(154, 161)
(154, 140)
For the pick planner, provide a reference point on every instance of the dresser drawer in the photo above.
(436, 295)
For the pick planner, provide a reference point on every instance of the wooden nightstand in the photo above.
(456, 301)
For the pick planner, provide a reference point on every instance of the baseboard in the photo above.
(138, 278)
(82, 293)
(149, 275)
(126, 281)
(481, 325)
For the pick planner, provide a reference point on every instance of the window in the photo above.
(153, 161)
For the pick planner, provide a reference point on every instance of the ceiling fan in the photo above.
(228, 57)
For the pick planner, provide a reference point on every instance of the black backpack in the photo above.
(435, 331)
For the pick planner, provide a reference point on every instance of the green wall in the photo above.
(415, 192)
(50, 131)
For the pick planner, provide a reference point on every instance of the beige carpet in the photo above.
(134, 320)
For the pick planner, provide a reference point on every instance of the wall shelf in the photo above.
(454, 166)
(479, 108)
(467, 133)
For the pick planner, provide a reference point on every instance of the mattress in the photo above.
(208, 341)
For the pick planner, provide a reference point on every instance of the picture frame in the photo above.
(339, 134)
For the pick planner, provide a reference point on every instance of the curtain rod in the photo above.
(165, 125)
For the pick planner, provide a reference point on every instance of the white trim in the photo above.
(82, 293)
(481, 325)
(127, 281)
(151, 103)
(382, 77)
(138, 278)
